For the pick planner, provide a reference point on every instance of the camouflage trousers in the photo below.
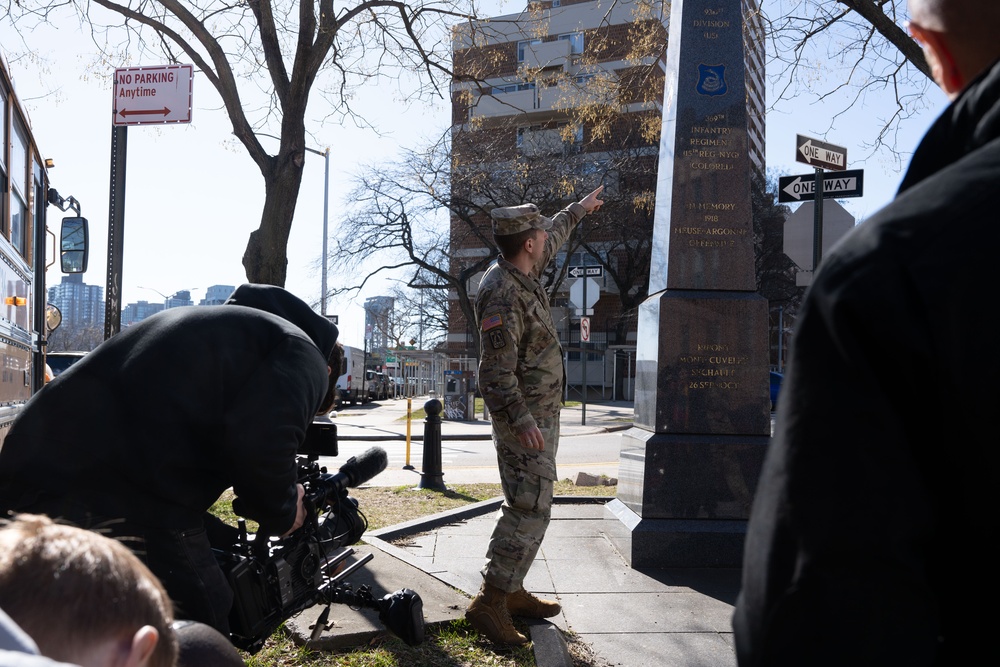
(527, 506)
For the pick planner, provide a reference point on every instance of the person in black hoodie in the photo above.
(141, 436)
(868, 539)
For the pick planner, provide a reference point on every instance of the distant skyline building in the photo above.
(378, 322)
(134, 313)
(81, 305)
(216, 295)
(178, 299)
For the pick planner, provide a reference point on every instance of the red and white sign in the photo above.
(584, 329)
(153, 95)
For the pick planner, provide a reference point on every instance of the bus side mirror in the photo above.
(73, 245)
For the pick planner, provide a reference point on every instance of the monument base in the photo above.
(684, 500)
(666, 543)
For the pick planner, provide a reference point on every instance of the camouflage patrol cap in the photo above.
(513, 219)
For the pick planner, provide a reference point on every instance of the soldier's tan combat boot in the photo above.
(488, 614)
(523, 603)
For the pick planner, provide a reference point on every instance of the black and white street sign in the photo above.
(589, 271)
(836, 185)
(817, 153)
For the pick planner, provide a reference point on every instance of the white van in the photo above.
(351, 385)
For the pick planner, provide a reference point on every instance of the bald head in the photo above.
(959, 38)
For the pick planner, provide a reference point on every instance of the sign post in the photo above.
(142, 96)
(820, 155)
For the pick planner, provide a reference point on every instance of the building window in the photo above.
(512, 88)
(522, 45)
(3, 159)
(575, 40)
(19, 180)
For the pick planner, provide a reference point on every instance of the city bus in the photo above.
(24, 238)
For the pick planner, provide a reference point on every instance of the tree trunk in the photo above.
(266, 256)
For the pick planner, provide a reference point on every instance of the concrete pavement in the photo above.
(632, 618)
(384, 424)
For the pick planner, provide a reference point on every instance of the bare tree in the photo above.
(604, 129)
(425, 313)
(288, 50)
(827, 48)
(72, 337)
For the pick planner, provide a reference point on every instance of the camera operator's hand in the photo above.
(300, 512)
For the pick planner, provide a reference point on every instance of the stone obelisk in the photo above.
(689, 467)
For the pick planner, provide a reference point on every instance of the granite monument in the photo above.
(689, 467)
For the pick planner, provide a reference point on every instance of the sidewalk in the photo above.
(386, 420)
(631, 618)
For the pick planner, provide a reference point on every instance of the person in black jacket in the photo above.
(868, 539)
(142, 435)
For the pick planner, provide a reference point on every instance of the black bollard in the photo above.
(432, 477)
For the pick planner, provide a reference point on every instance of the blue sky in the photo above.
(193, 195)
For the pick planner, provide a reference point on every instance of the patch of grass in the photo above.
(451, 645)
(387, 506)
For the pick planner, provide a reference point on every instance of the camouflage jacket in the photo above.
(521, 365)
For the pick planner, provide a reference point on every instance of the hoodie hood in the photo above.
(287, 306)
(970, 122)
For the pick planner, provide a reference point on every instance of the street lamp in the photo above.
(167, 298)
(326, 211)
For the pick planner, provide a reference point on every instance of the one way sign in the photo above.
(818, 153)
(836, 185)
(590, 271)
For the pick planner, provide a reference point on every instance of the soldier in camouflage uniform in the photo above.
(521, 378)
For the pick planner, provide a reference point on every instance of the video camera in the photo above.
(274, 579)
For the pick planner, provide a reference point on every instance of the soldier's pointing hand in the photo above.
(591, 201)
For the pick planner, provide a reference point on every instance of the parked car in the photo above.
(58, 362)
(776, 379)
(378, 389)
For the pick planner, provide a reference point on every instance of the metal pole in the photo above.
(326, 213)
(116, 231)
(583, 350)
(614, 377)
(781, 336)
(818, 222)
(409, 417)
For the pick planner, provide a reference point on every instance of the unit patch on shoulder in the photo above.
(497, 339)
(491, 322)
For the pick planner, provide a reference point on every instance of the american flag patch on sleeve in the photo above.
(491, 322)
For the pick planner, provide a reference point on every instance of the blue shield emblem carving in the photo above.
(711, 80)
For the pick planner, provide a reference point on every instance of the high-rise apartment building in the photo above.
(81, 305)
(547, 104)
